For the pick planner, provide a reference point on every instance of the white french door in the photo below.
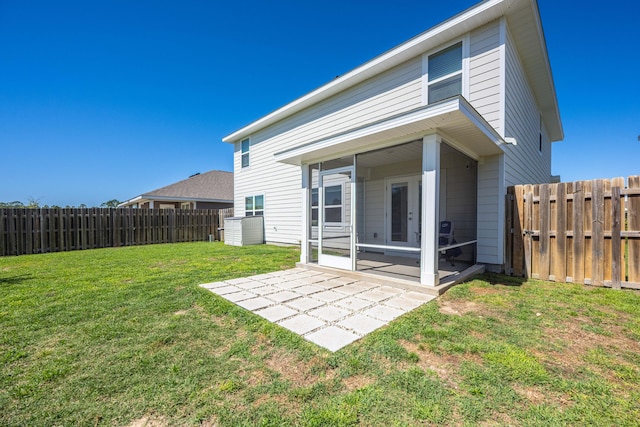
(403, 202)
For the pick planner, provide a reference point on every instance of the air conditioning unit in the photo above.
(244, 231)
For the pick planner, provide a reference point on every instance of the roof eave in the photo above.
(462, 23)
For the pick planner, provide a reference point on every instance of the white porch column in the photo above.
(305, 220)
(430, 210)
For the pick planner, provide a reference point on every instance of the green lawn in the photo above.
(126, 337)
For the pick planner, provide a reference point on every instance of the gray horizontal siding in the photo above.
(525, 163)
(485, 91)
(388, 94)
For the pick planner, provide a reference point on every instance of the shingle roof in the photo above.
(212, 185)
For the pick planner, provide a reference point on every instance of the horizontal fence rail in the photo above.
(32, 231)
(583, 232)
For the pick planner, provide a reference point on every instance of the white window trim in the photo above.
(248, 153)
(254, 204)
(464, 71)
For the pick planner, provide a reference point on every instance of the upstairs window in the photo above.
(445, 73)
(246, 145)
(254, 206)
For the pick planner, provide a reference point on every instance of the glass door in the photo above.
(404, 213)
(335, 218)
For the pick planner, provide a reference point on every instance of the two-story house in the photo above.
(434, 129)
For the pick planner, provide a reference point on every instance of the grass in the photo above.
(126, 337)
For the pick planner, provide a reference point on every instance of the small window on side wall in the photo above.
(245, 146)
(445, 73)
(254, 206)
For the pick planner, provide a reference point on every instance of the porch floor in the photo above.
(405, 268)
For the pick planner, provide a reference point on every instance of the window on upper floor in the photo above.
(254, 206)
(445, 73)
(245, 146)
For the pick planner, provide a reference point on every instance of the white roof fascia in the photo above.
(148, 197)
(184, 199)
(473, 17)
(137, 199)
(454, 105)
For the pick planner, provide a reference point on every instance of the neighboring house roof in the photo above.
(525, 27)
(212, 186)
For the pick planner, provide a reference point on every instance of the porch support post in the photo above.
(305, 221)
(430, 210)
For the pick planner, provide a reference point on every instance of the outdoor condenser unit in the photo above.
(244, 231)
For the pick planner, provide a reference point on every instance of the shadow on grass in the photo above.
(501, 279)
(15, 280)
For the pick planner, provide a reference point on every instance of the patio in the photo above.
(328, 307)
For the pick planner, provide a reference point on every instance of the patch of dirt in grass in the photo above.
(180, 312)
(460, 307)
(357, 382)
(578, 342)
(293, 370)
(149, 421)
(255, 378)
(537, 396)
(532, 394)
(444, 365)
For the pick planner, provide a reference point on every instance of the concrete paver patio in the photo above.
(327, 309)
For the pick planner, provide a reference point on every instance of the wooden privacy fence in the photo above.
(583, 232)
(31, 231)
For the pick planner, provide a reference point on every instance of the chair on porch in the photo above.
(446, 239)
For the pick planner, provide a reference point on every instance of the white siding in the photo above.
(524, 162)
(490, 246)
(390, 93)
(484, 73)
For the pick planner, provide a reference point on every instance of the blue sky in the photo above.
(104, 100)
